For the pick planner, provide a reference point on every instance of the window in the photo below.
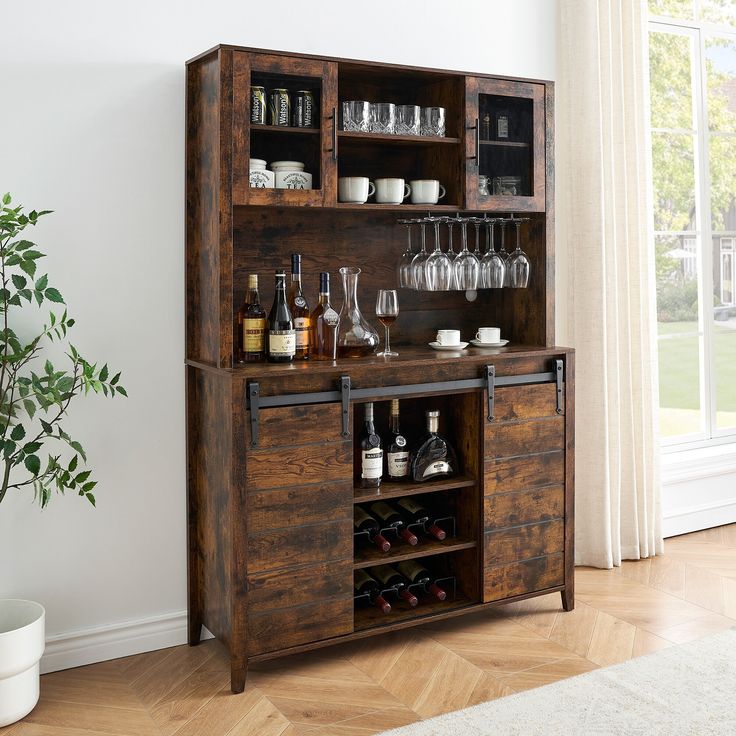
(692, 63)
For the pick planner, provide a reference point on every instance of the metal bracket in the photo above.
(253, 394)
(345, 394)
(559, 375)
(490, 375)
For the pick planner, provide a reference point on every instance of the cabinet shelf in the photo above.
(391, 139)
(426, 548)
(261, 128)
(371, 617)
(506, 144)
(399, 490)
(400, 207)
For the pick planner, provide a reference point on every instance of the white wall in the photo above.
(92, 126)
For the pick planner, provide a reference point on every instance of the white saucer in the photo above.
(459, 346)
(499, 344)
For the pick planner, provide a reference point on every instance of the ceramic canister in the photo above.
(260, 177)
(291, 175)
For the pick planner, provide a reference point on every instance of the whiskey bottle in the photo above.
(364, 522)
(417, 574)
(299, 309)
(397, 449)
(251, 325)
(324, 323)
(416, 513)
(389, 517)
(435, 457)
(281, 334)
(363, 583)
(389, 578)
(371, 452)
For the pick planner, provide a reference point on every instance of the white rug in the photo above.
(687, 690)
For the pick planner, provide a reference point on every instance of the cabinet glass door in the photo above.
(505, 145)
(284, 111)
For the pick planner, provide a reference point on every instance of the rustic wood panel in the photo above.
(518, 578)
(298, 425)
(568, 595)
(535, 401)
(288, 588)
(282, 467)
(524, 438)
(524, 472)
(301, 545)
(524, 542)
(288, 627)
(294, 505)
(524, 507)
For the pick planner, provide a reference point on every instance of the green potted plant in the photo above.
(36, 453)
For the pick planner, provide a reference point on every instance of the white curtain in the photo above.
(607, 299)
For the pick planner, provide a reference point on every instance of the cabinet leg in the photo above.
(194, 624)
(568, 599)
(238, 671)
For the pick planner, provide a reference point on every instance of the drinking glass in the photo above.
(407, 119)
(417, 264)
(492, 267)
(383, 117)
(387, 310)
(403, 268)
(356, 116)
(433, 121)
(477, 221)
(518, 263)
(502, 253)
(438, 266)
(466, 266)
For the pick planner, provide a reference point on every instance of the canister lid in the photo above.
(287, 165)
(258, 163)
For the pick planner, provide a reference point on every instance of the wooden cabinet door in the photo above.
(524, 487)
(299, 551)
(315, 147)
(505, 136)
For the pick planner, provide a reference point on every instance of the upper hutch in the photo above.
(271, 448)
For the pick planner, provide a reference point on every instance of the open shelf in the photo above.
(261, 128)
(418, 140)
(400, 207)
(371, 617)
(369, 556)
(399, 490)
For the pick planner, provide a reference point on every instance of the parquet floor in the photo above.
(369, 686)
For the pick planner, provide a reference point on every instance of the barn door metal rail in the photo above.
(346, 393)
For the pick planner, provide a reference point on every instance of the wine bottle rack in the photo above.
(369, 557)
(399, 490)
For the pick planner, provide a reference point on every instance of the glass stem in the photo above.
(387, 348)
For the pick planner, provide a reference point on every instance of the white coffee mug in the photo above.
(354, 189)
(448, 337)
(426, 191)
(488, 334)
(391, 191)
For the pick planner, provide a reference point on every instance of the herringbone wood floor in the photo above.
(369, 686)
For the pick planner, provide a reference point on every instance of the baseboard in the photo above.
(694, 518)
(98, 644)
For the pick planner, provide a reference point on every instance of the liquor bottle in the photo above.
(371, 452)
(363, 583)
(299, 309)
(251, 325)
(417, 574)
(502, 127)
(364, 522)
(435, 457)
(324, 322)
(485, 128)
(416, 513)
(389, 578)
(390, 517)
(281, 334)
(397, 450)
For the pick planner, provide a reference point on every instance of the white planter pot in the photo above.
(22, 641)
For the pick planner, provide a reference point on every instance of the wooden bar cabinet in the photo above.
(271, 448)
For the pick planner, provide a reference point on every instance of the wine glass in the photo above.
(466, 266)
(404, 271)
(503, 253)
(477, 223)
(417, 264)
(449, 221)
(387, 310)
(438, 266)
(492, 267)
(518, 263)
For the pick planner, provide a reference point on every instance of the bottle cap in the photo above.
(369, 410)
(324, 282)
(253, 281)
(296, 263)
(432, 414)
(394, 406)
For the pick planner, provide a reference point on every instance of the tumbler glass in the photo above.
(355, 116)
(383, 117)
(407, 120)
(433, 121)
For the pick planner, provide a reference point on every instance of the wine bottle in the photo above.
(281, 334)
(364, 522)
(417, 574)
(251, 325)
(435, 457)
(324, 322)
(390, 578)
(397, 449)
(371, 462)
(390, 517)
(416, 513)
(299, 309)
(363, 583)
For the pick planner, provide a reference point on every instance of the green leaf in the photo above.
(81, 477)
(115, 379)
(87, 487)
(32, 255)
(9, 448)
(23, 245)
(31, 447)
(29, 267)
(73, 463)
(48, 367)
(6, 198)
(121, 390)
(19, 281)
(46, 427)
(53, 295)
(43, 282)
(18, 432)
(33, 464)
(104, 373)
(30, 407)
(91, 499)
(78, 447)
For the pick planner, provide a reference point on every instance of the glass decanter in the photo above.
(435, 457)
(356, 336)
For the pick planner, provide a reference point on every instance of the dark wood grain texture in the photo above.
(522, 542)
(519, 578)
(524, 507)
(524, 438)
(568, 595)
(515, 403)
(524, 472)
(298, 425)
